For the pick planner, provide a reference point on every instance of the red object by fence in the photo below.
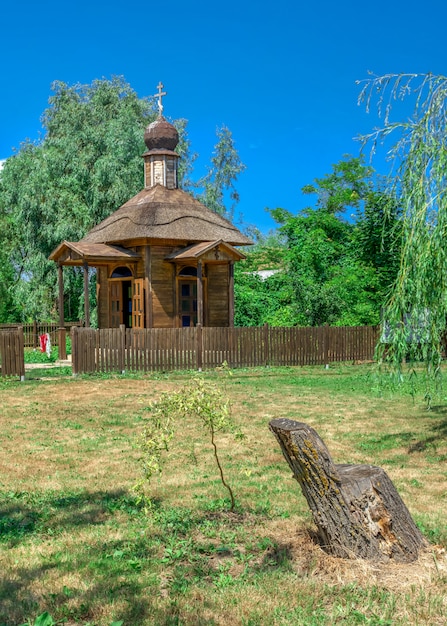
(43, 343)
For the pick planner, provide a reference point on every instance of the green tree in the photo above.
(317, 244)
(86, 165)
(7, 271)
(200, 399)
(416, 311)
(377, 237)
(218, 185)
(346, 186)
(8, 312)
(260, 300)
(334, 270)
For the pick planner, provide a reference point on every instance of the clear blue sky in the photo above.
(281, 75)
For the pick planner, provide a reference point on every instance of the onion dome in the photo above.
(161, 135)
(160, 159)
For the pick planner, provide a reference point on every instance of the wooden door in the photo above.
(138, 303)
(116, 303)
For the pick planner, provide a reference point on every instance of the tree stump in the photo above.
(356, 508)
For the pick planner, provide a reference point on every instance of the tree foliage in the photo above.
(86, 165)
(329, 269)
(218, 185)
(344, 187)
(416, 311)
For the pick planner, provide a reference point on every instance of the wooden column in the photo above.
(86, 297)
(35, 335)
(62, 333)
(149, 321)
(231, 294)
(199, 294)
(176, 321)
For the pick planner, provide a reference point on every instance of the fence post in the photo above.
(21, 355)
(122, 349)
(35, 338)
(86, 296)
(62, 344)
(61, 334)
(74, 350)
(199, 347)
(266, 344)
(326, 332)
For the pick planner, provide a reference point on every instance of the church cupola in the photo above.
(160, 159)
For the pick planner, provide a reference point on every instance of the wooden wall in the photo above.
(163, 295)
(163, 292)
(102, 297)
(217, 300)
(160, 170)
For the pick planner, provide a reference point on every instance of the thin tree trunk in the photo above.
(222, 478)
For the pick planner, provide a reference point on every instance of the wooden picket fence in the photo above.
(33, 330)
(161, 349)
(12, 354)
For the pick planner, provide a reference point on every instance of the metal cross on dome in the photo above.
(159, 95)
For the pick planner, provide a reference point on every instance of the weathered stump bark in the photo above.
(356, 508)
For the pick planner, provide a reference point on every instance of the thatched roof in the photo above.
(161, 213)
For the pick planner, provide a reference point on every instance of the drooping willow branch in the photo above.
(416, 312)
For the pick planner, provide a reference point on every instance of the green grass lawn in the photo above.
(76, 542)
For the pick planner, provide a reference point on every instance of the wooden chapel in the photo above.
(163, 259)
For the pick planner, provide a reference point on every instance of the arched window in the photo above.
(121, 272)
(188, 271)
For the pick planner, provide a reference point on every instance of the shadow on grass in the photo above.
(24, 514)
(84, 555)
(388, 441)
(437, 434)
(106, 571)
(277, 556)
(101, 587)
(441, 428)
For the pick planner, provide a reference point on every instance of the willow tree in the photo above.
(416, 311)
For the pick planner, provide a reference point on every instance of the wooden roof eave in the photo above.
(194, 252)
(77, 254)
